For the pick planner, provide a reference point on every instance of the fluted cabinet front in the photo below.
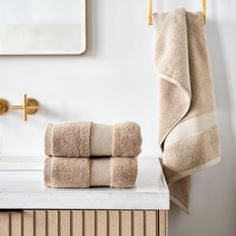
(84, 223)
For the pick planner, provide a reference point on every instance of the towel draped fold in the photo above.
(188, 133)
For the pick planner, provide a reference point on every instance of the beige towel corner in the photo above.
(127, 139)
(68, 139)
(60, 172)
(188, 131)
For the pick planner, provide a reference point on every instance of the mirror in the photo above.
(42, 27)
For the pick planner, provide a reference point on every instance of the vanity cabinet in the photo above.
(29, 209)
(84, 223)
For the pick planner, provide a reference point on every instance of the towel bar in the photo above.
(150, 21)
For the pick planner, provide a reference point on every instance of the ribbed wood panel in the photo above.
(126, 223)
(151, 223)
(40, 223)
(114, 223)
(84, 223)
(163, 223)
(15, 224)
(28, 223)
(4, 224)
(52, 223)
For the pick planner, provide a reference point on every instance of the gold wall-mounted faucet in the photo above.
(4, 106)
(29, 107)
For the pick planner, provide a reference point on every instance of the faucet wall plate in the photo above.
(4, 106)
(33, 105)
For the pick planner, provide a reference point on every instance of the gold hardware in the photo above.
(204, 10)
(29, 107)
(150, 20)
(4, 106)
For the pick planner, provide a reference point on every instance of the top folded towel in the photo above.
(85, 139)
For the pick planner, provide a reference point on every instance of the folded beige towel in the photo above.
(85, 139)
(61, 172)
(188, 130)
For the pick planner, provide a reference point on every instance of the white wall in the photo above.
(115, 81)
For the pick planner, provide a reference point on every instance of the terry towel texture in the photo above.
(188, 131)
(85, 139)
(115, 172)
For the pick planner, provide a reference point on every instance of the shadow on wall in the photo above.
(212, 207)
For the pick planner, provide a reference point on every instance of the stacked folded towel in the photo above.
(85, 154)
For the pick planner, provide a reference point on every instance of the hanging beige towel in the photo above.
(188, 131)
(85, 139)
(115, 172)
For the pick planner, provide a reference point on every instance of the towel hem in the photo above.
(179, 204)
(192, 170)
(186, 93)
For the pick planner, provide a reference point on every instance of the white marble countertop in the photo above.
(151, 192)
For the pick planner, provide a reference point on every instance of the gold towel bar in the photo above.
(150, 21)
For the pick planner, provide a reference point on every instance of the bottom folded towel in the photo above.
(115, 172)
